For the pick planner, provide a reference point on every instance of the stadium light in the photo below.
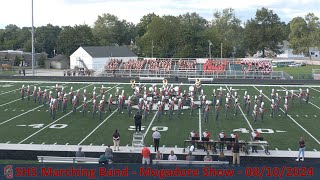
(210, 44)
(32, 36)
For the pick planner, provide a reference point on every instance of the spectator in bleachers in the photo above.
(159, 156)
(221, 157)
(80, 153)
(263, 66)
(172, 156)
(215, 66)
(145, 155)
(186, 65)
(207, 157)
(190, 157)
(109, 153)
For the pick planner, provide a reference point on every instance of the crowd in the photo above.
(135, 65)
(79, 72)
(215, 66)
(253, 65)
(113, 64)
(187, 64)
(157, 65)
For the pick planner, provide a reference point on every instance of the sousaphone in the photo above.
(133, 83)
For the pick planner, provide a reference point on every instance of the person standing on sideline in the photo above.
(137, 121)
(172, 156)
(235, 153)
(80, 153)
(145, 155)
(116, 140)
(109, 153)
(302, 147)
(207, 157)
(156, 139)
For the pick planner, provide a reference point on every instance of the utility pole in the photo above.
(32, 36)
(221, 49)
(152, 48)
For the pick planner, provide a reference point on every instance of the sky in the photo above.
(72, 12)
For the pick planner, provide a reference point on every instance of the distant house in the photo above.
(25, 56)
(287, 52)
(58, 62)
(95, 57)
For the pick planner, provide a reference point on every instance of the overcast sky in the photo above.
(71, 12)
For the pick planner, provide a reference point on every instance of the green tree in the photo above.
(163, 32)
(226, 29)
(191, 40)
(264, 32)
(70, 38)
(108, 29)
(304, 34)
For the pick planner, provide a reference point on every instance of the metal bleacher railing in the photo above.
(194, 74)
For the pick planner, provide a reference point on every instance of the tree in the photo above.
(227, 29)
(163, 32)
(47, 37)
(264, 32)
(108, 29)
(191, 41)
(70, 38)
(304, 34)
(144, 22)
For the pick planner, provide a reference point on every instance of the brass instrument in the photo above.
(133, 83)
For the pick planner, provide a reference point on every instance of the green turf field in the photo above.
(302, 72)
(25, 122)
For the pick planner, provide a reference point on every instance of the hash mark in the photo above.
(5, 109)
(90, 144)
(297, 115)
(102, 144)
(306, 115)
(315, 115)
(43, 143)
(55, 143)
(38, 110)
(276, 149)
(289, 149)
(22, 110)
(8, 142)
(14, 110)
(315, 150)
(67, 143)
(31, 143)
(279, 115)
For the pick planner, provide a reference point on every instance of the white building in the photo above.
(96, 57)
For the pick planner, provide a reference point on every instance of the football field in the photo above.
(29, 122)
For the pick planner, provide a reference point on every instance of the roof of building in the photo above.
(109, 51)
(59, 57)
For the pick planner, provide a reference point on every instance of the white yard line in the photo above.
(200, 122)
(20, 115)
(314, 89)
(29, 111)
(20, 99)
(151, 83)
(17, 89)
(304, 99)
(248, 122)
(116, 110)
(58, 119)
(293, 119)
(154, 117)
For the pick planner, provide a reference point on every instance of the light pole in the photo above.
(221, 49)
(152, 48)
(210, 44)
(32, 41)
